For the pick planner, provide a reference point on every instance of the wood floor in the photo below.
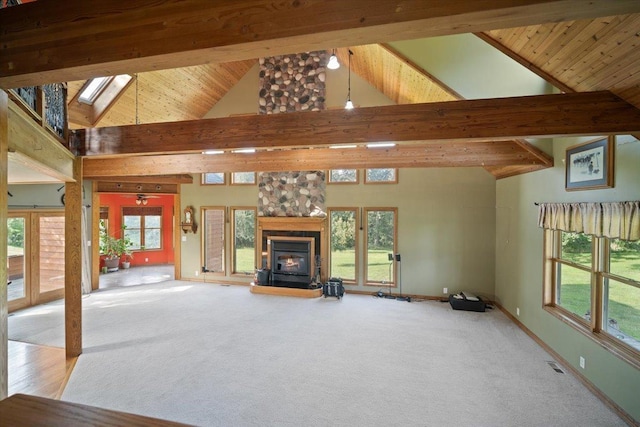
(38, 370)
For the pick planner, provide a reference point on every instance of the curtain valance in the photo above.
(616, 220)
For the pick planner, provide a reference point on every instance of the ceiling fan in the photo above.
(142, 199)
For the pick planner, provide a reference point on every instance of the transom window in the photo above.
(343, 176)
(381, 175)
(213, 178)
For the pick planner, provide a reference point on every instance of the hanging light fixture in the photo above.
(333, 63)
(349, 104)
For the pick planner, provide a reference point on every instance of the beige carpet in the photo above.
(216, 355)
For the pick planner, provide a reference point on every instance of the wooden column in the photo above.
(4, 304)
(73, 262)
(95, 237)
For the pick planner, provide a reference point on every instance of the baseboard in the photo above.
(588, 384)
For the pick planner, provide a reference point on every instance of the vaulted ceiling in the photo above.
(583, 55)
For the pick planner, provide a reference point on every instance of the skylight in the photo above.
(92, 89)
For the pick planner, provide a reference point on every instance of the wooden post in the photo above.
(73, 262)
(4, 304)
(95, 237)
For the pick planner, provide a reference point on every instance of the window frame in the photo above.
(142, 228)
(232, 218)
(203, 240)
(368, 181)
(593, 328)
(365, 264)
(232, 180)
(330, 181)
(203, 179)
(355, 211)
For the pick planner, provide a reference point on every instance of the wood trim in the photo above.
(584, 380)
(467, 154)
(4, 304)
(232, 228)
(366, 281)
(358, 226)
(45, 43)
(177, 236)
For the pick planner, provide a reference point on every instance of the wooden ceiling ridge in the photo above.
(44, 43)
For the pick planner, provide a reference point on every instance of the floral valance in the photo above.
(616, 220)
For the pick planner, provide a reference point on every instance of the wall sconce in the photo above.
(189, 225)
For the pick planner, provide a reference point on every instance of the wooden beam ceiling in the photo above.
(592, 113)
(46, 42)
(469, 154)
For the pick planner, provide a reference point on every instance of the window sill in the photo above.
(627, 354)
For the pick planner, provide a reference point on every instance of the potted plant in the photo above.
(114, 249)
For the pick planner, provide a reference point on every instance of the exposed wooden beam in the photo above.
(449, 154)
(131, 187)
(155, 179)
(50, 42)
(591, 113)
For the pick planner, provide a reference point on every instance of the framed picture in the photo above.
(590, 165)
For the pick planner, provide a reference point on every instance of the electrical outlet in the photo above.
(445, 290)
(146, 260)
(184, 238)
(197, 272)
(517, 311)
(582, 362)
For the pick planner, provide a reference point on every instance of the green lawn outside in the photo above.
(245, 260)
(624, 300)
(343, 265)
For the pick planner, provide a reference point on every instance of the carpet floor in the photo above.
(215, 355)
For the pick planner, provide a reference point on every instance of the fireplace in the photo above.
(308, 231)
(291, 260)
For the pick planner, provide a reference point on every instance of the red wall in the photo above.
(115, 202)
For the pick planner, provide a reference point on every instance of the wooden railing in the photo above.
(47, 105)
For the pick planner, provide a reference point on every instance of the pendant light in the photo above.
(333, 63)
(349, 104)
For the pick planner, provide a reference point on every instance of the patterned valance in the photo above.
(616, 220)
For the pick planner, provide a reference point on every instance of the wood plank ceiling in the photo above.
(582, 55)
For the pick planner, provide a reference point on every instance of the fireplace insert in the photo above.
(291, 262)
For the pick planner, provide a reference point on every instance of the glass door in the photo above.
(16, 265)
(35, 258)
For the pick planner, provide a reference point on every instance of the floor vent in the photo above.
(555, 367)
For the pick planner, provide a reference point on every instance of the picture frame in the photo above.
(590, 166)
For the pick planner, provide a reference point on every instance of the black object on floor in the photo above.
(462, 303)
(333, 288)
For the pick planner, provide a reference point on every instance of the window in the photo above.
(380, 242)
(343, 176)
(344, 238)
(213, 178)
(378, 176)
(213, 239)
(244, 240)
(143, 226)
(594, 284)
(89, 93)
(243, 178)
